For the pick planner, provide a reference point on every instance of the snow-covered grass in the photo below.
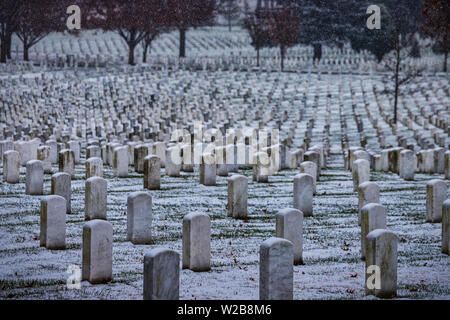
(333, 268)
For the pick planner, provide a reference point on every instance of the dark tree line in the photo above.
(136, 21)
(280, 23)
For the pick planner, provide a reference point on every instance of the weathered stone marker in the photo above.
(447, 165)
(5, 145)
(162, 275)
(95, 198)
(120, 162)
(436, 194)
(373, 216)
(208, 170)
(75, 147)
(66, 162)
(310, 168)
(368, 192)
(446, 227)
(53, 150)
(381, 256)
(159, 150)
(94, 168)
(152, 173)
(289, 226)
(139, 218)
(361, 172)
(314, 156)
(276, 271)
(97, 251)
(27, 151)
(303, 193)
(261, 167)
(237, 196)
(62, 186)
(34, 184)
(93, 152)
(53, 223)
(43, 154)
(196, 242)
(406, 166)
(173, 162)
(11, 166)
(140, 152)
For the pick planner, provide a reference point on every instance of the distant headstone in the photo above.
(237, 196)
(436, 194)
(152, 173)
(66, 162)
(11, 166)
(34, 184)
(303, 193)
(62, 186)
(95, 198)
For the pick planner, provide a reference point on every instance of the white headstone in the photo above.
(276, 271)
(11, 166)
(97, 251)
(62, 186)
(237, 196)
(196, 242)
(373, 216)
(139, 218)
(95, 198)
(53, 222)
(162, 275)
(381, 256)
(436, 194)
(34, 184)
(152, 173)
(303, 193)
(289, 226)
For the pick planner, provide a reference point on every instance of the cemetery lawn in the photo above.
(331, 245)
(332, 267)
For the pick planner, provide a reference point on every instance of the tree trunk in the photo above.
(25, 53)
(3, 50)
(282, 52)
(182, 43)
(8, 44)
(257, 57)
(445, 60)
(131, 54)
(317, 51)
(397, 70)
(144, 53)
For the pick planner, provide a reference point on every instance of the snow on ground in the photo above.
(333, 268)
